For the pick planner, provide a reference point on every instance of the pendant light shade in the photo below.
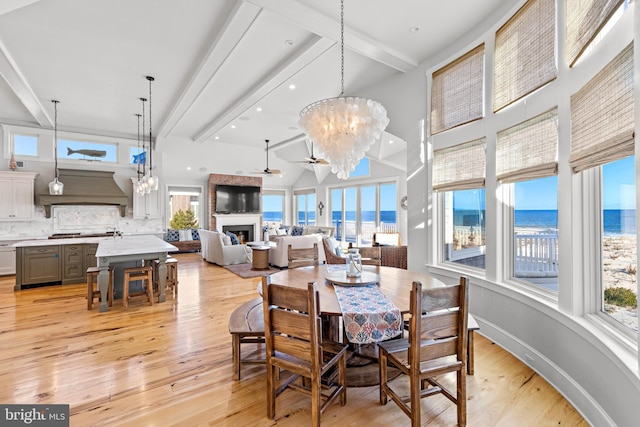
(56, 188)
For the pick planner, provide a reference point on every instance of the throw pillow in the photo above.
(281, 232)
(173, 235)
(226, 240)
(185, 235)
(297, 230)
(234, 238)
(195, 234)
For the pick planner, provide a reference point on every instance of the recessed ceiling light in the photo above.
(293, 128)
(233, 126)
(244, 118)
(202, 169)
(188, 168)
(258, 109)
(292, 86)
(414, 29)
(288, 42)
(391, 141)
(216, 137)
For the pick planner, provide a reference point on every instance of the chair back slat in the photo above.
(291, 323)
(430, 350)
(300, 349)
(289, 297)
(440, 298)
(439, 325)
(302, 257)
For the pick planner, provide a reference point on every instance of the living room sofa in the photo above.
(216, 248)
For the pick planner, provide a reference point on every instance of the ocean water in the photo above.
(616, 221)
(388, 217)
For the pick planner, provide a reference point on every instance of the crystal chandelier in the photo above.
(344, 127)
(56, 188)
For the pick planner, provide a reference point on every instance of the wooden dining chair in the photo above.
(297, 358)
(437, 344)
(302, 257)
(370, 255)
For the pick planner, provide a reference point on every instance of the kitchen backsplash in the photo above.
(78, 219)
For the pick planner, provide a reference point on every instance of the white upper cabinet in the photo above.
(16, 193)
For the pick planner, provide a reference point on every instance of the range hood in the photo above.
(86, 187)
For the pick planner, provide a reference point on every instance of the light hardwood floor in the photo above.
(170, 365)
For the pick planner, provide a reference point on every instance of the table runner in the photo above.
(368, 315)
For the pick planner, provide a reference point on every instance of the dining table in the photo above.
(128, 248)
(393, 283)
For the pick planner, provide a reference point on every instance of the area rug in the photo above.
(245, 271)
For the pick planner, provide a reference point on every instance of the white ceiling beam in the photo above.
(324, 26)
(18, 83)
(7, 6)
(287, 69)
(234, 29)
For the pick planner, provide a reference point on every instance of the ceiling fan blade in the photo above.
(275, 172)
(322, 162)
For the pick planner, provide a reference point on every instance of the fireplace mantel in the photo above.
(239, 219)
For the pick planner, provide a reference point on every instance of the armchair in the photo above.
(215, 250)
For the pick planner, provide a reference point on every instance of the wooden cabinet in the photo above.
(38, 264)
(146, 206)
(73, 263)
(64, 264)
(16, 193)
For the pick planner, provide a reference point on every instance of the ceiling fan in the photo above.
(313, 160)
(266, 170)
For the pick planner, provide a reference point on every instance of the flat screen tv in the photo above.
(237, 199)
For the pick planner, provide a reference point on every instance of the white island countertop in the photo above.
(54, 242)
(132, 245)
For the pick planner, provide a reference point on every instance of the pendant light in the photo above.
(56, 188)
(344, 127)
(152, 180)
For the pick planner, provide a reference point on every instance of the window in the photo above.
(305, 206)
(619, 288)
(457, 91)
(359, 211)
(273, 207)
(535, 232)
(464, 227)
(90, 151)
(25, 145)
(184, 198)
(362, 169)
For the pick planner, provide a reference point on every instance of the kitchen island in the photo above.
(65, 261)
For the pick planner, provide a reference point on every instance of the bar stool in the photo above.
(93, 291)
(133, 274)
(171, 281)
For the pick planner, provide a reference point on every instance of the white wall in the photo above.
(586, 361)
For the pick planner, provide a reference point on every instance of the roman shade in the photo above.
(456, 91)
(528, 150)
(602, 115)
(460, 167)
(585, 19)
(524, 52)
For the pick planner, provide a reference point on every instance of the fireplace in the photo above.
(244, 232)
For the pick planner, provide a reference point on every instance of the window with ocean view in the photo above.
(306, 207)
(535, 232)
(272, 207)
(464, 227)
(619, 291)
(357, 212)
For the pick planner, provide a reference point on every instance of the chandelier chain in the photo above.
(342, 47)
(55, 134)
(144, 150)
(150, 133)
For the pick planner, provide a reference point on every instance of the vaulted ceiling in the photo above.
(223, 68)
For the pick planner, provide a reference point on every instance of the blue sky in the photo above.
(618, 179)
